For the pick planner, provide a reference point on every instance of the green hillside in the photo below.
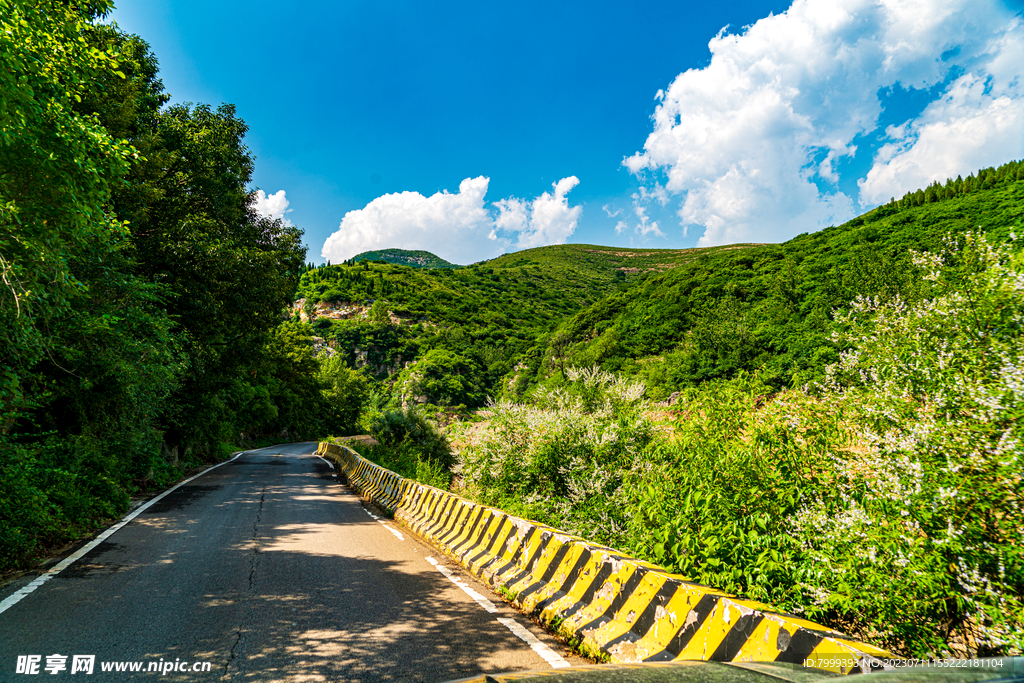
(883, 501)
(489, 314)
(405, 257)
(769, 307)
(861, 502)
(569, 260)
(675, 318)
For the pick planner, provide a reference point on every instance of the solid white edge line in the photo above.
(329, 463)
(396, 532)
(465, 587)
(546, 653)
(16, 597)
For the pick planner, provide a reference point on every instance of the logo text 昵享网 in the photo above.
(86, 664)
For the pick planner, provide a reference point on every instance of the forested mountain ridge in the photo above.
(567, 259)
(404, 257)
(483, 317)
(769, 308)
(674, 318)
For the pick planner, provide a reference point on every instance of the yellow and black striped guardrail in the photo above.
(617, 606)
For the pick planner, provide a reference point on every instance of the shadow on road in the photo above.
(269, 571)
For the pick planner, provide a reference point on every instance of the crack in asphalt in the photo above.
(254, 565)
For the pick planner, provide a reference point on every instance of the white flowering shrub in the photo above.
(562, 458)
(886, 503)
(927, 542)
(718, 498)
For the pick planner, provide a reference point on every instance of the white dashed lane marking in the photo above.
(545, 652)
(520, 631)
(394, 531)
(480, 600)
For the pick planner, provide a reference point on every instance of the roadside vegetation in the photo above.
(858, 462)
(409, 443)
(141, 294)
(831, 425)
(885, 500)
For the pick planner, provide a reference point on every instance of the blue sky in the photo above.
(370, 116)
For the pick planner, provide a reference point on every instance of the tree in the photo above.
(231, 271)
(85, 353)
(442, 378)
(379, 313)
(226, 271)
(140, 291)
(55, 172)
(345, 393)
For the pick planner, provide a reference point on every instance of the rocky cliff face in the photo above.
(337, 311)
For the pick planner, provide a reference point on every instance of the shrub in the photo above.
(715, 500)
(563, 459)
(929, 544)
(442, 378)
(406, 460)
(345, 392)
(887, 504)
(411, 445)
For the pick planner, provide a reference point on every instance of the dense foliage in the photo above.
(563, 458)
(931, 512)
(68, 308)
(885, 501)
(771, 308)
(404, 257)
(485, 318)
(409, 442)
(142, 293)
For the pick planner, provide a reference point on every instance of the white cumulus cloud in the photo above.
(273, 205)
(644, 225)
(748, 141)
(966, 130)
(548, 219)
(458, 227)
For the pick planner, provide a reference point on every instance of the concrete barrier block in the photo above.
(612, 605)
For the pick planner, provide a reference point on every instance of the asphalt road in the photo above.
(266, 569)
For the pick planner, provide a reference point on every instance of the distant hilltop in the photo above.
(404, 257)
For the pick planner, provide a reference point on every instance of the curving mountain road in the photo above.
(264, 569)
